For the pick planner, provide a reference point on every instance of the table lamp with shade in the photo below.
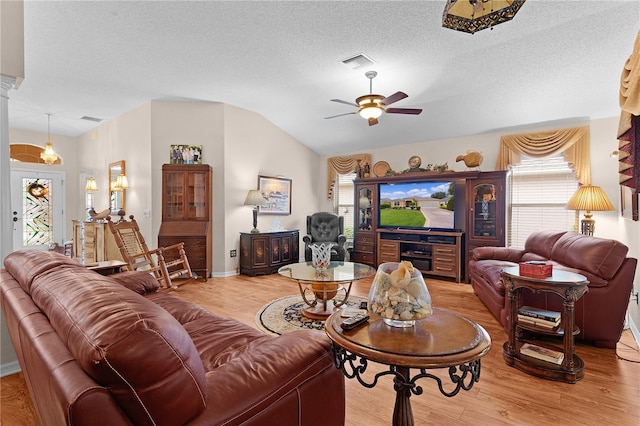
(589, 198)
(255, 199)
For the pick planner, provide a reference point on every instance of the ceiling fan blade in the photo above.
(340, 101)
(373, 121)
(394, 98)
(412, 111)
(340, 115)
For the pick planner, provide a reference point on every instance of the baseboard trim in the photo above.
(10, 368)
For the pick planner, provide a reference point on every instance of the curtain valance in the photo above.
(343, 165)
(629, 125)
(574, 143)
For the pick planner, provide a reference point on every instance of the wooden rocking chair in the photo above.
(164, 263)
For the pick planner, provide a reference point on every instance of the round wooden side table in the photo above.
(442, 340)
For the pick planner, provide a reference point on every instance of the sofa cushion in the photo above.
(598, 256)
(490, 271)
(541, 242)
(139, 281)
(25, 265)
(116, 335)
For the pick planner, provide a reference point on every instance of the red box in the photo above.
(536, 269)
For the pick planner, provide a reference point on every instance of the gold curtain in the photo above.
(630, 89)
(574, 143)
(343, 165)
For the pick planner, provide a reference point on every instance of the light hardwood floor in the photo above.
(608, 394)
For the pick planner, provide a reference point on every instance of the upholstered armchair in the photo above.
(325, 227)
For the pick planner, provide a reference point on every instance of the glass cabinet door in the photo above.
(196, 192)
(485, 210)
(364, 210)
(174, 195)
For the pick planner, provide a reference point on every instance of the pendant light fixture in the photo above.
(49, 156)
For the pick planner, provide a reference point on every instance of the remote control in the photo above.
(354, 321)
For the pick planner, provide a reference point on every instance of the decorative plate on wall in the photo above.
(381, 168)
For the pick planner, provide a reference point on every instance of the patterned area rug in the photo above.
(283, 315)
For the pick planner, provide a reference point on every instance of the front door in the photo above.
(37, 208)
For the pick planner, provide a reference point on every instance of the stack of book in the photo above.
(539, 317)
(544, 354)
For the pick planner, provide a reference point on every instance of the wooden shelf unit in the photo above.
(187, 213)
(436, 253)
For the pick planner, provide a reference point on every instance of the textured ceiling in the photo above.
(555, 61)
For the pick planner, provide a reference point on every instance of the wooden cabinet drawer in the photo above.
(388, 251)
(363, 258)
(444, 249)
(370, 239)
(363, 248)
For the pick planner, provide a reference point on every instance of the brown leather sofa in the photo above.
(114, 350)
(599, 314)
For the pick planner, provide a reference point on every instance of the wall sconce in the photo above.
(255, 199)
(589, 198)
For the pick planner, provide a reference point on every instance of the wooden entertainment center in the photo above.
(479, 211)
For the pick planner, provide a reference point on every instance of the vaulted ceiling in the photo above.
(556, 61)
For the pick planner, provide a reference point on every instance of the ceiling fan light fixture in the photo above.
(372, 110)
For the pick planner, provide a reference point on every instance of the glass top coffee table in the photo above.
(317, 288)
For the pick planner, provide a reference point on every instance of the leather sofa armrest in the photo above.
(342, 239)
(498, 253)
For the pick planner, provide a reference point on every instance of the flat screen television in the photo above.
(418, 205)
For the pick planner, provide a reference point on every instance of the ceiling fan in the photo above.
(372, 106)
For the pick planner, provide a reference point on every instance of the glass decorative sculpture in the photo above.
(399, 294)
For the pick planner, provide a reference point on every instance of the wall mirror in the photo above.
(117, 194)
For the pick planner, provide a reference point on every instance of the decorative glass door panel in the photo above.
(364, 210)
(197, 196)
(174, 187)
(37, 218)
(485, 210)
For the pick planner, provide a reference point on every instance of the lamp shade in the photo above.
(121, 182)
(590, 198)
(470, 16)
(254, 198)
(91, 185)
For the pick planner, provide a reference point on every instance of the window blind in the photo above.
(540, 189)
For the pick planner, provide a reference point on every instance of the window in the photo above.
(343, 201)
(540, 189)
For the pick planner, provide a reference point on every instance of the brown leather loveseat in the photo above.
(114, 350)
(599, 314)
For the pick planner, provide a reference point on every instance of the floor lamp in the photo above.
(255, 199)
(589, 198)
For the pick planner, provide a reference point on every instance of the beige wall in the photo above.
(12, 40)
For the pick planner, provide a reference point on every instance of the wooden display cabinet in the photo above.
(486, 216)
(364, 238)
(264, 253)
(186, 213)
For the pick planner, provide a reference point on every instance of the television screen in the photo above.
(428, 204)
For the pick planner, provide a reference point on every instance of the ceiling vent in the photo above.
(86, 117)
(358, 61)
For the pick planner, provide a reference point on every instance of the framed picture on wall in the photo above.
(628, 203)
(277, 192)
(185, 154)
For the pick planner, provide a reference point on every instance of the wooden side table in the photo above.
(106, 267)
(442, 340)
(570, 287)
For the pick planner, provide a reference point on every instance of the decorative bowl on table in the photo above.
(321, 255)
(399, 294)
